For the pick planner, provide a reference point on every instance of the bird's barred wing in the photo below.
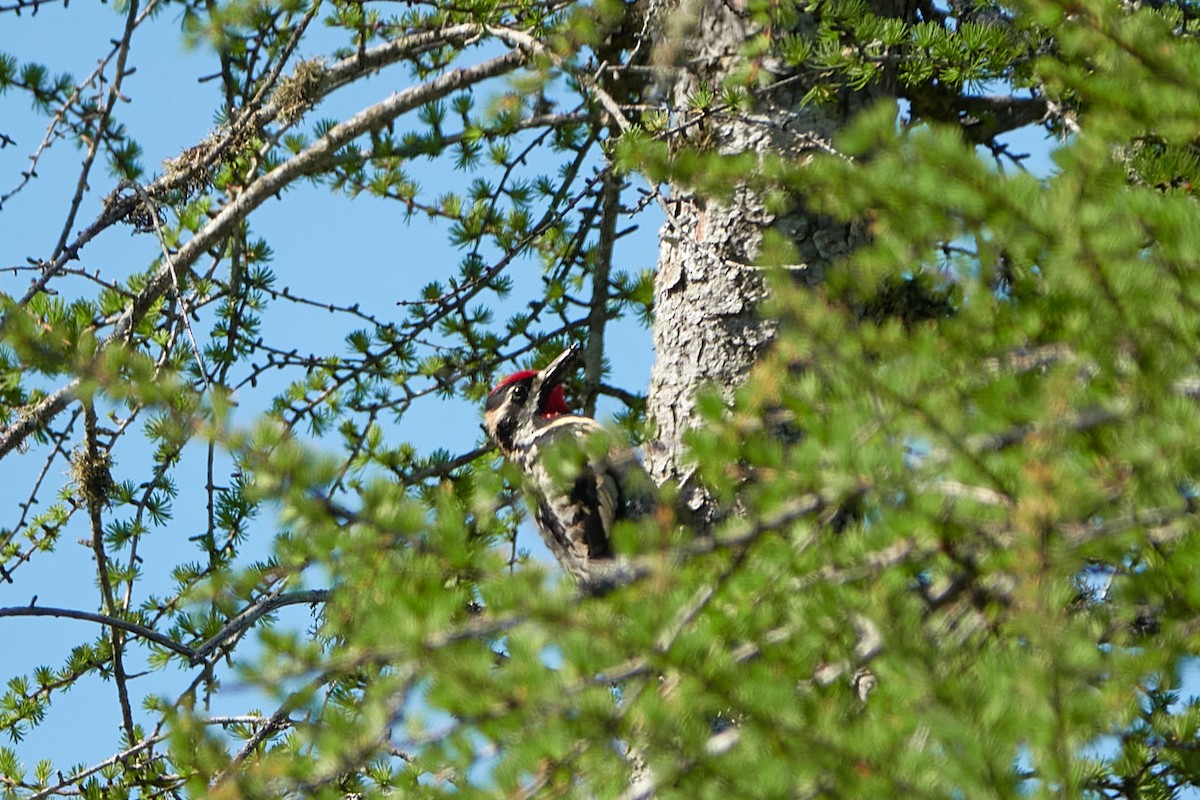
(582, 494)
(575, 524)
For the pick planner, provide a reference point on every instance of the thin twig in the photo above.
(593, 366)
(145, 744)
(132, 20)
(95, 483)
(149, 634)
(184, 313)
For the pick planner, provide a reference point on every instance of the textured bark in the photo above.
(707, 326)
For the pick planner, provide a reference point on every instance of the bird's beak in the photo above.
(556, 372)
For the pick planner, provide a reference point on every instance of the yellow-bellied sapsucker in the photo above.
(576, 496)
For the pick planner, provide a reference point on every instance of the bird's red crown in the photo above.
(556, 401)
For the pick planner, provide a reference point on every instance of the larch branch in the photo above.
(303, 163)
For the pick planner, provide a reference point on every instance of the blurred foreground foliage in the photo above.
(963, 477)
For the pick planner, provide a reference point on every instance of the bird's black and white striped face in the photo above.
(509, 406)
(519, 402)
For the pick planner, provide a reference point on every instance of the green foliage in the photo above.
(1003, 441)
(964, 475)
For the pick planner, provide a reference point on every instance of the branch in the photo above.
(1086, 420)
(303, 163)
(441, 469)
(35, 418)
(277, 721)
(132, 20)
(66, 108)
(624, 572)
(63, 783)
(91, 468)
(244, 620)
(169, 263)
(348, 69)
(252, 614)
(981, 118)
(148, 634)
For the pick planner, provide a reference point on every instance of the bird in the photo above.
(577, 492)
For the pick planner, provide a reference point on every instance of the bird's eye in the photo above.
(520, 392)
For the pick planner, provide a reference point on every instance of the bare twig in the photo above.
(168, 261)
(132, 20)
(527, 42)
(95, 482)
(593, 367)
(149, 634)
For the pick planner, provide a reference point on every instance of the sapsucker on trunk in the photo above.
(579, 485)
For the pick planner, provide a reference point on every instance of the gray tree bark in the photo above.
(707, 325)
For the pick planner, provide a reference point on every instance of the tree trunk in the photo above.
(707, 327)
